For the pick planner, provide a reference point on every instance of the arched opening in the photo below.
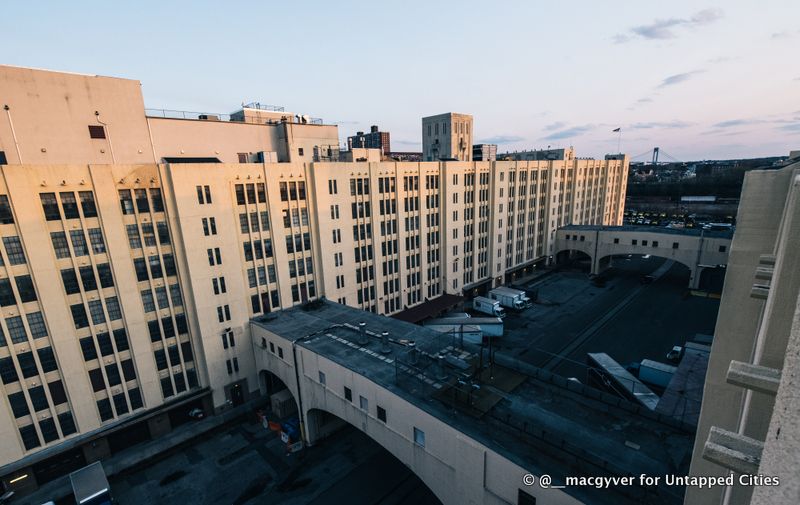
(573, 259)
(282, 403)
(380, 479)
(712, 279)
(646, 268)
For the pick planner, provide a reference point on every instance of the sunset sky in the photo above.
(700, 80)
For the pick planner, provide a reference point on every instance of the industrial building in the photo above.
(138, 244)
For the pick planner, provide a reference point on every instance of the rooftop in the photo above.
(541, 421)
(690, 232)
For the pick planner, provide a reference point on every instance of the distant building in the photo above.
(373, 140)
(406, 156)
(484, 152)
(447, 137)
(541, 155)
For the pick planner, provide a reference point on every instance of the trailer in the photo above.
(510, 298)
(487, 306)
(490, 326)
(90, 485)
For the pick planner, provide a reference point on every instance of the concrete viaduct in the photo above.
(471, 433)
(696, 249)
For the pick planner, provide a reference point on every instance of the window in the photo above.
(125, 201)
(16, 256)
(87, 203)
(322, 377)
(27, 364)
(280, 352)
(141, 269)
(112, 372)
(104, 408)
(36, 325)
(57, 392)
(299, 151)
(158, 202)
(96, 239)
(121, 339)
(161, 359)
(142, 203)
(78, 240)
(723, 248)
(104, 274)
(104, 343)
(674, 245)
(120, 404)
(79, 316)
(7, 371)
(38, 398)
(133, 236)
(419, 437)
(97, 131)
(655, 243)
(348, 393)
(67, 423)
(60, 245)
(47, 359)
(381, 413)
(6, 216)
(634, 242)
(7, 297)
(29, 437)
(69, 204)
(616, 240)
(27, 293)
(50, 206)
(363, 403)
(88, 349)
(230, 366)
(87, 278)
(16, 330)
(96, 311)
(19, 406)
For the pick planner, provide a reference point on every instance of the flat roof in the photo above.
(690, 232)
(540, 425)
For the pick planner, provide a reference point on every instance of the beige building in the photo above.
(749, 418)
(447, 137)
(137, 245)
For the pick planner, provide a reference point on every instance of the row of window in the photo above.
(24, 284)
(98, 315)
(78, 241)
(69, 205)
(143, 204)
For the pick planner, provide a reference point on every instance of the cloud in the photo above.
(661, 29)
(731, 123)
(678, 78)
(555, 126)
(792, 127)
(660, 124)
(569, 132)
(501, 139)
(784, 34)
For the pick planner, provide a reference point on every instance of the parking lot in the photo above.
(625, 318)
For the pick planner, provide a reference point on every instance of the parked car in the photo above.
(197, 413)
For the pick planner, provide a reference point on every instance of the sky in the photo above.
(699, 79)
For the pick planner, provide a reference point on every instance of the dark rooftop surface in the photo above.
(690, 232)
(540, 421)
(429, 309)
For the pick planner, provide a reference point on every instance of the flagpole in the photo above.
(619, 140)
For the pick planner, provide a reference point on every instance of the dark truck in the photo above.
(90, 486)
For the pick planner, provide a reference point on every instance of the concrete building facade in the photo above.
(447, 137)
(136, 248)
(748, 421)
(484, 152)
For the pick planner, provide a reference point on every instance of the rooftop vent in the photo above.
(385, 349)
(363, 339)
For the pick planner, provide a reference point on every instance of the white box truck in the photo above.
(487, 306)
(510, 298)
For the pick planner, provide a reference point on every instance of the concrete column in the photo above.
(694, 277)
